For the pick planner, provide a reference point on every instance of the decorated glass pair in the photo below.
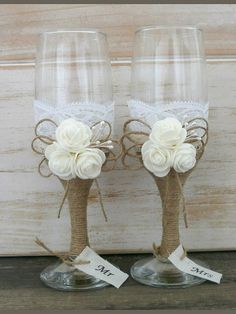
(166, 134)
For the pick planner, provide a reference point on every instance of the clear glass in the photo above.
(168, 73)
(73, 76)
(168, 79)
(73, 79)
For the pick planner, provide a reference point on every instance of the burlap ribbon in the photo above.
(170, 186)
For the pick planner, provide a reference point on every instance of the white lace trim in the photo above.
(87, 112)
(177, 109)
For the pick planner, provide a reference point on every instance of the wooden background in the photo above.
(29, 203)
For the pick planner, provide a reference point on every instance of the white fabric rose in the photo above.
(73, 135)
(88, 164)
(168, 133)
(184, 158)
(50, 149)
(71, 156)
(156, 159)
(61, 162)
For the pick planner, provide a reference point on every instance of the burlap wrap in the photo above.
(77, 197)
(170, 195)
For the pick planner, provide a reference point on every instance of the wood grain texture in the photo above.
(29, 203)
(22, 290)
(20, 24)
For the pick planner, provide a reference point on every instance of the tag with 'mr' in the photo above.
(100, 268)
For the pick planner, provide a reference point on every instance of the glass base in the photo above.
(152, 272)
(63, 277)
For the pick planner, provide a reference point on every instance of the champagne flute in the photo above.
(168, 80)
(73, 80)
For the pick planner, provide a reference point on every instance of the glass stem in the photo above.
(77, 196)
(170, 195)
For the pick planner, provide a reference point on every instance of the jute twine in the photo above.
(77, 197)
(66, 259)
(171, 186)
(170, 189)
(76, 192)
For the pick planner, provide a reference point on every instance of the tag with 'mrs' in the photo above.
(100, 268)
(189, 267)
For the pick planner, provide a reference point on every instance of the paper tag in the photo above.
(100, 268)
(189, 267)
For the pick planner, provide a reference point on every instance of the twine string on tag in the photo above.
(66, 259)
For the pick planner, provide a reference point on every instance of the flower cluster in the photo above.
(73, 154)
(166, 149)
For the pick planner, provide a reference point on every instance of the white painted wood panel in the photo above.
(20, 24)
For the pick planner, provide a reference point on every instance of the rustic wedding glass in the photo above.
(168, 80)
(73, 80)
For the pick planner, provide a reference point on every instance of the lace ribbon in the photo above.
(87, 112)
(150, 113)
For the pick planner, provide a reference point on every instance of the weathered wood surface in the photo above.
(29, 203)
(20, 24)
(21, 289)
